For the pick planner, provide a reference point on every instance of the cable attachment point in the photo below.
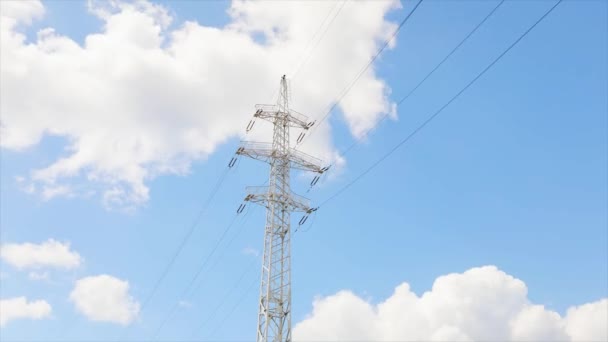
(241, 208)
(257, 113)
(305, 217)
(303, 220)
(250, 125)
(239, 151)
(301, 137)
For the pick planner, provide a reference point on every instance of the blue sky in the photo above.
(511, 174)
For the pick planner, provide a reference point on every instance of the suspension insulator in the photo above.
(301, 137)
(232, 162)
(303, 220)
(241, 208)
(325, 169)
(310, 124)
(314, 181)
(250, 125)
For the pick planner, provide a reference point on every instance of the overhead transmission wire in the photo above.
(227, 295)
(346, 90)
(429, 74)
(190, 288)
(385, 115)
(185, 239)
(305, 59)
(187, 289)
(440, 110)
(234, 307)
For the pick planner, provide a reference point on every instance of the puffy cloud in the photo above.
(20, 308)
(481, 304)
(48, 254)
(588, 322)
(141, 98)
(105, 298)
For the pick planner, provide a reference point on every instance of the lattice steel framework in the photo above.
(274, 315)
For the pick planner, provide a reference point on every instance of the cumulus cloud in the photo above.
(481, 304)
(141, 98)
(105, 298)
(48, 254)
(20, 308)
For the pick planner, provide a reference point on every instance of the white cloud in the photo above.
(20, 308)
(588, 322)
(105, 298)
(139, 99)
(38, 275)
(481, 304)
(48, 254)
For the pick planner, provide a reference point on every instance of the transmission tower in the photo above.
(274, 315)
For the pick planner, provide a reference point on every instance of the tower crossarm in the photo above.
(303, 161)
(261, 195)
(293, 118)
(264, 152)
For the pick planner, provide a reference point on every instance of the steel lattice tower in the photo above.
(274, 315)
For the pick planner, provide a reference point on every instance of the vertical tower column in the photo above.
(274, 315)
(275, 288)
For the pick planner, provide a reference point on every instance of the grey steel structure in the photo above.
(274, 315)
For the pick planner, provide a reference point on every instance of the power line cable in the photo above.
(187, 289)
(186, 292)
(371, 61)
(305, 59)
(427, 121)
(302, 61)
(236, 305)
(357, 141)
(225, 298)
(184, 240)
(239, 231)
